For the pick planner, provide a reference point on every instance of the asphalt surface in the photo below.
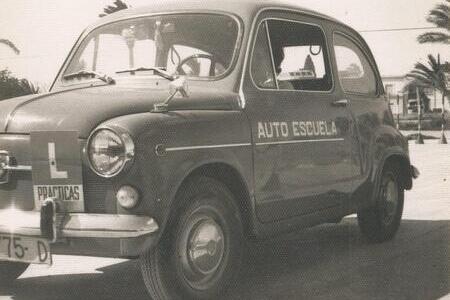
(327, 262)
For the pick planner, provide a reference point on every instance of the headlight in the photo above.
(109, 152)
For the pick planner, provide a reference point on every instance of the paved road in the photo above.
(326, 262)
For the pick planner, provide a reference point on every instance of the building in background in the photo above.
(402, 96)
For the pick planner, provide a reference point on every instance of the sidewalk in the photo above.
(434, 133)
(430, 197)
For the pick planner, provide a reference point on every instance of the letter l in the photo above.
(54, 173)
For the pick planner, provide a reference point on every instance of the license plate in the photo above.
(25, 249)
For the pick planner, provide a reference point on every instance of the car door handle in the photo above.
(341, 103)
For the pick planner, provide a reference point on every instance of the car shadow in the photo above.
(331, 261)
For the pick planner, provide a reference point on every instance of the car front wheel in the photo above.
(200, 257)
(10, 271)
(380, 222)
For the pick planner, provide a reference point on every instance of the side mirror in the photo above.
(177, 86)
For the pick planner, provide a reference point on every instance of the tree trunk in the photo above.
(435, 100)
(443, 139)
(443, 111)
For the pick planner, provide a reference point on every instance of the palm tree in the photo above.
(11, 86)
(110, 9)
(438, 16)
(433, 75)
(10, 45)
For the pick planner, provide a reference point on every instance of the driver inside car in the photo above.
(278, 57)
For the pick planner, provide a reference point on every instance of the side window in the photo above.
(355, 72)
(300, 56)
(261, 66)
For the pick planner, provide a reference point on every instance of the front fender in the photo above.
(170, 146)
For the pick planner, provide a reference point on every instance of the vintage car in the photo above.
(179, 132)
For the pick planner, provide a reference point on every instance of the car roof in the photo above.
(246, 9)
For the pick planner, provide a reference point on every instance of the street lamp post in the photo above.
(419, 115)
(398, 111)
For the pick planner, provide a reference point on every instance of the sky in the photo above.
(45, 31)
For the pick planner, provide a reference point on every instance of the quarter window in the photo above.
(262, 68)
(355, 72)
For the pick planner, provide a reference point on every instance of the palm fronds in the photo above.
(10, 45)
(434, 37)
(432, 74)
(438, 16)
(117, 6)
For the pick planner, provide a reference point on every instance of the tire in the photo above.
(380, 222)
(10, 271)
(200, 255)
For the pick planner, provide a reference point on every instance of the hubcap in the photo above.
(206, 247)
(202, 251)
(390, 200)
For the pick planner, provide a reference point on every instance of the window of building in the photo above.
(389, 89)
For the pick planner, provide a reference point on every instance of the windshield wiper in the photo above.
(158, 71)
(83, 73)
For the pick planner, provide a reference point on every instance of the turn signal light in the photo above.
(127, 196)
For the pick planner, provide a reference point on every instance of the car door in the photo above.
(301, 131)
(361, 86)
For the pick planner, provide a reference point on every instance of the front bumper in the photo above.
(83, 233)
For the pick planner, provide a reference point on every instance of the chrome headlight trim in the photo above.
(129, 150)
(4, 167)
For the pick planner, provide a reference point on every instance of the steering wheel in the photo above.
(212, 68)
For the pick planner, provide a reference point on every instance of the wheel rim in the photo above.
(202, 251)
(390, 200)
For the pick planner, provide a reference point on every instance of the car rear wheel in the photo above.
(380, 222)
(10, 271)
(200, 256)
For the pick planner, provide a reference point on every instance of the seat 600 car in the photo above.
(178, 132)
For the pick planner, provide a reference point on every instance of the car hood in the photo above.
(84, 109)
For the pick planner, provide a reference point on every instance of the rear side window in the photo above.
(355, 72)
(296, 54)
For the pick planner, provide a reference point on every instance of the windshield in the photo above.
(196, 45)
